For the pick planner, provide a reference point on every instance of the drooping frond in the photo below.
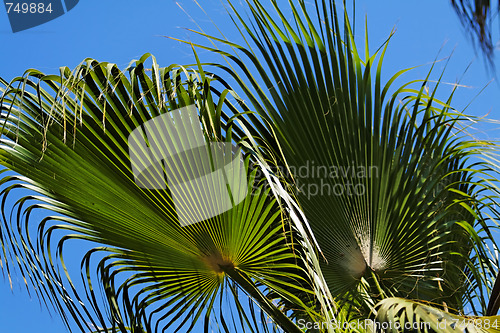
(477, 18)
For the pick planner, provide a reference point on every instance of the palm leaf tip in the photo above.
(477, 18)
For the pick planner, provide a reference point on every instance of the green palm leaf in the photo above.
(417, 228)
(68, 136)
(397, 205)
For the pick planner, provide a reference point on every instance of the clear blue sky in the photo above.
(121, 30)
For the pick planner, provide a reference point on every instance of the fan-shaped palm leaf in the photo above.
(393, 194)
(398, 203)
(68, 136)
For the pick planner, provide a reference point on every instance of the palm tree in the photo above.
(393, 220)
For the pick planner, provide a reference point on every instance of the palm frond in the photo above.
(477, 17)
(418, 226)
(67, 139)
